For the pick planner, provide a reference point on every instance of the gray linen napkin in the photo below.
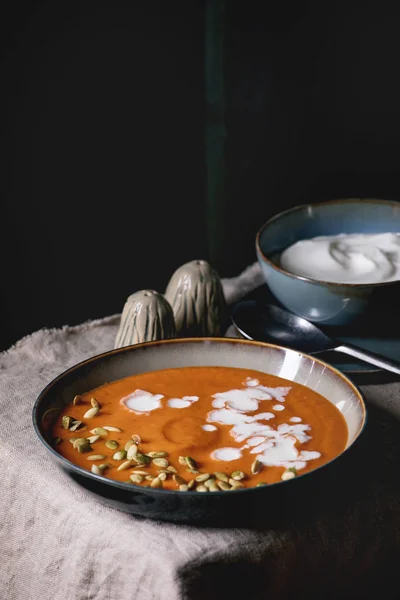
(59, 543)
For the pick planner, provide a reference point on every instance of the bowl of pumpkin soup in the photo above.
(201, 430)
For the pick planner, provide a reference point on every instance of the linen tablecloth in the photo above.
(59, 543)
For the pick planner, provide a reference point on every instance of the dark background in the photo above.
(103, 113)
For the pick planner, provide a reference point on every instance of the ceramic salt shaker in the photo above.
(146, 316)
(197, 299)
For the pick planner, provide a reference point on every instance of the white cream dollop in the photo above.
(141, 401)
(346, 258)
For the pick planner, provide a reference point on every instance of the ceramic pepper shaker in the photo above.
(146, 316)
(197, 299)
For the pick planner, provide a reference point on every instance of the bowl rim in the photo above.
(301, 207)
(124, 486)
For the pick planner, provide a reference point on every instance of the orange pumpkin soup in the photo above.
(200, 428)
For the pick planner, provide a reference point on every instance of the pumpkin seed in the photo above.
(124, 465)
(223, 485)
(233, 482)
(132, 451)
(209, 482)
(183, 488)
(73, 439)
(162, 476)
(261, 484)
(161, 462)
(160, 454)
(171, 469)
(96, 470)
(96, 457)
(112, 428)
(222, 477)
(144, 473)
(66, 421)
(238, 475)
(119, 455)
(112, 444)
(94, 403)
(104, 466)
(201, 488)
(136, 438)
(203, 477)
(142, 459)
(83, 447)
(135, 478)
(178, 479)
(57, 440)
(191, 484)
(76, 425)
(191, 463)
(236, 485)
(128, 444)
(182, 460)
(156, 483)
(256, 467)
(92, 412)
(99, 431)
(289, 474)
(78, 441)
(213, 487)
(93, 438)
(149, 477)
(77, 400)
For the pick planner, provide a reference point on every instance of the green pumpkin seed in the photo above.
(119, 455)
(112, 428)
(136, 438)
(202, 477)
(261, 484)
(191, 463)
(191, 484)
(135, 478)
(182, 460)
(142, 459)
(222, 477)
(78, 441)
(183, 488)
(93, 439)
(128, 444)
(96, 457)
(112, 444)
(57, 440)
(94, 403)
(132, 451)
(201, 488)
(238, 475)
(96, 470)
(156, 483)
(83, 447)
(171, 469)
(256, 467)
(162, 476)
(104, 466)
(160, 454)
(161, 462)
(73, 439)
(289, 474)
(125, 465)
(66, 421)
(210, 482)
(91, 413)
(77, 400)
(223, 485)
(99, 431)
(179, 480)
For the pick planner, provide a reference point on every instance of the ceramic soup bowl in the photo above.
(234, 507)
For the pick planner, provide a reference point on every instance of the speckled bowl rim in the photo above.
(302, 207)
(196, 340)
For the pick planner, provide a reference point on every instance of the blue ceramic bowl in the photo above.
(324, 302)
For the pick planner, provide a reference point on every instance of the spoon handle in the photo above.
(370, 357)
